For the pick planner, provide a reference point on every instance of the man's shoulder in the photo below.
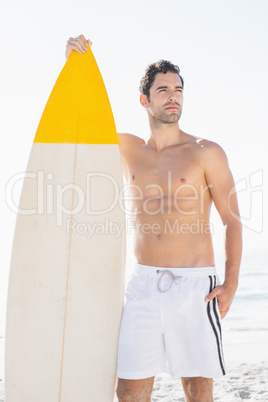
(210, 148)
(126, 137)
(207, 144)
(212, 154)
(203, 144)
(128, 143)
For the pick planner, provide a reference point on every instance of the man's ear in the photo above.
(144, 100)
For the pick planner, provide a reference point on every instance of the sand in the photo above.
(246, 379)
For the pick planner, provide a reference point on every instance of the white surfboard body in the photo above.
(66, 282)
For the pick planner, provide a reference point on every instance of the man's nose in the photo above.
(172, 96)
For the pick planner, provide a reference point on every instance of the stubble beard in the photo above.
(164, 117)
(170, 118)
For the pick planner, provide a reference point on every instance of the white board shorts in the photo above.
(167, 327)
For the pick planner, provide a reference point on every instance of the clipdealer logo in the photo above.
(42, 195)
(63, 201)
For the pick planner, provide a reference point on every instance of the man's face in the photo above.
(166, 98)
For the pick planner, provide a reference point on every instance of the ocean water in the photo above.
(245, 324)
(250, 307)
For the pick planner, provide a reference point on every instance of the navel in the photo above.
(182, 180)
(133, 177)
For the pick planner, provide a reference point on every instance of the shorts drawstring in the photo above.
(173, 278)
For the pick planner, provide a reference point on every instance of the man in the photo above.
(171, 320)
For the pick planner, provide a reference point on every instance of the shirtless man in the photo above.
(174, 299)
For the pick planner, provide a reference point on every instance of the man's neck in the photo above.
(164, 136)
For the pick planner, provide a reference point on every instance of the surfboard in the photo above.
(66, 284)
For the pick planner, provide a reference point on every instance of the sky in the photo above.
(220, 46)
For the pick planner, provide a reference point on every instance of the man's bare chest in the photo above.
(168, 174)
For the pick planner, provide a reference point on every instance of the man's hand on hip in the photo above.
(224, 295)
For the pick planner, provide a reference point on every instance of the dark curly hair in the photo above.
(161, 66)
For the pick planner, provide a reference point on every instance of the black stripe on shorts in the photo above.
(218, 336)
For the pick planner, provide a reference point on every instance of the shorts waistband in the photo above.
(191, 271)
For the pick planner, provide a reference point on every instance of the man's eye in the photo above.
(162, 90)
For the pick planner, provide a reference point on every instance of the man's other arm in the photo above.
(222, 189)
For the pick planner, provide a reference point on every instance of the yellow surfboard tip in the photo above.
(78, 109)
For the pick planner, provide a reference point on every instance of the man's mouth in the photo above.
(172, 107)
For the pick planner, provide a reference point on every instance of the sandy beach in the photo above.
(245, 380)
